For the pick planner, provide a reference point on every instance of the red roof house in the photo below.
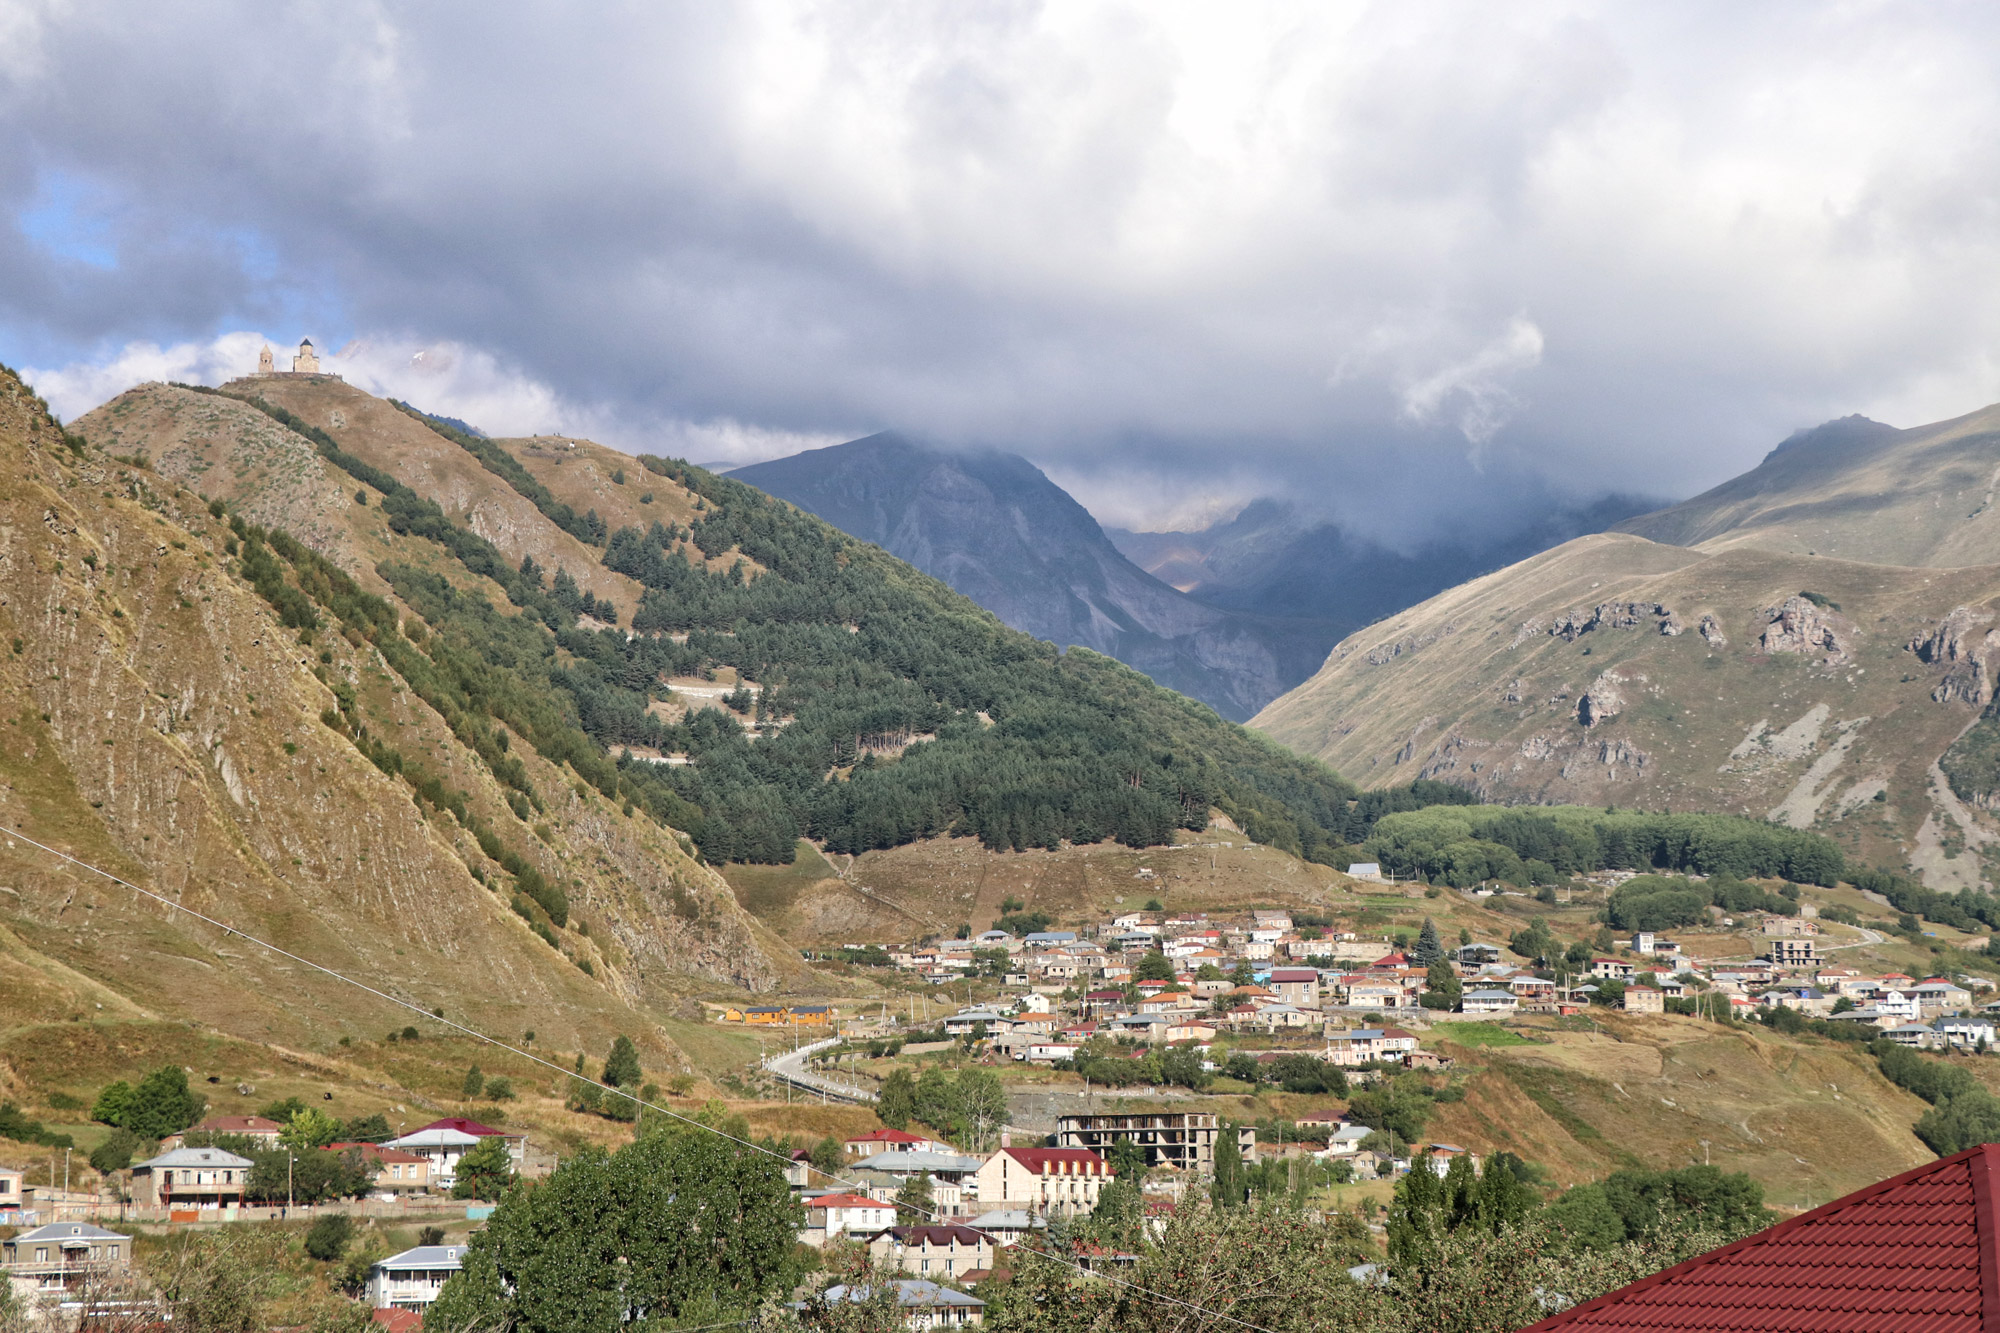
(1917, 1253)
(464, 1126)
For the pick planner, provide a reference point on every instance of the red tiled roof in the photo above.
(845, 1201)
(1050, 1161)
(1917, 1253)
(887, 1136)
(398, 1321)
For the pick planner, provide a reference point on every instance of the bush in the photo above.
(327, 1237)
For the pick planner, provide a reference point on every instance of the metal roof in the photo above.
(1906, 1255)
(195, 1157)
(431, 1258)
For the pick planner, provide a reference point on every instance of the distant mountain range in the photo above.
(1233, 615)
(1273, 559)
(996, 529)
(1814, 641)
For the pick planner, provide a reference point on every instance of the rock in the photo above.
(1711, 630)
(1800, 626)
(1670, 625)
(1950, 640)
(1513, 694)
(1601, 701)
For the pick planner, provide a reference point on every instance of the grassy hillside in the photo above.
(1614, 670)
(779, 678)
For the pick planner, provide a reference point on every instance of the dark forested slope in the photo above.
(995, 528)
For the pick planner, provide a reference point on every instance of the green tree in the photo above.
(327, 1237)
(1228, 1188)
(935, 1098)
(981, 1105)
(309, 1128)
(474, 1085)
(914, 1203)
(485, 1172)
(679, 1225)
(1429, 949)
(621, 1067)
(1442, 988)
(312, 1176)
(828, 1156)
(1127, 1161)
(116, 1152)
(160, 1105)
(1154, 966)
(896, 1105)
(368, 1129)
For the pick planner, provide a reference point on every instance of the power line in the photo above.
(530, 1056)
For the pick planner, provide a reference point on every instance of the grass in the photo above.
(1477, 1034)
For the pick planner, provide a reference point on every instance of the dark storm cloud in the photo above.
(1393, 259)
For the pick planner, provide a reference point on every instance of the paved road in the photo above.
(1873, 937)
(790, 1067)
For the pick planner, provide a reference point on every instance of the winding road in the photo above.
(792, 1067)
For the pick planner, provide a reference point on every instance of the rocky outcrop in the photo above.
(1957, 644)
(1602, 701)
(1711, 632)
(1800, 625)
(1573, 625)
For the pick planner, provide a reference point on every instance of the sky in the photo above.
(1398, 263)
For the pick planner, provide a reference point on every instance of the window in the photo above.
(41, 1254)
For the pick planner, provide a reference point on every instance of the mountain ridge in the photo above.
(995, 528)
(1805, 643)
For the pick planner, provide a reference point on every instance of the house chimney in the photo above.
(1006, 1139)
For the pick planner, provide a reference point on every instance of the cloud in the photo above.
(1166, 249)
(1478, 384)
(445, 378)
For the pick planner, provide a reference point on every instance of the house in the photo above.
(261, 1133)
(190, 1178)
(412, 1280)
(925, 1305)
(1344, 1141)
(1187, 1029)
(901, 1164)
(14, 1196)
(1489, 1002)
(1045, 1180)
(971, 1020)
(1617, 969)
(62, 1257)
(1478, 955)
(848, 1215)
(947, 1252)
(517, 1144)
(1913, 1034)
(1898, 1004)
(1368, 870)
(1298, 986)
(1008, 1226)
(1965, 1033)
(442, 1147)
(1358, 1046)
(1938, 995)
(890, 1140)
(1919, 1244)
(396, 1172)
(1644, 1000)
(1281, 1018)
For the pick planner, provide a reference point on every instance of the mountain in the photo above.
(174, 709)
(996, 529)
(1273, 558)
(1807, 642)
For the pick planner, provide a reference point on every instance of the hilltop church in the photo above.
(304, 362)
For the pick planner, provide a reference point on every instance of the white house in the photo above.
(412, 1280)
(443, 1148)
(849, 1215)
(1489, 1002)
(1344, 1141)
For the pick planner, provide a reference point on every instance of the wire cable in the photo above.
(476, 1035)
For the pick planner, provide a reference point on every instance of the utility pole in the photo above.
(291, 1201)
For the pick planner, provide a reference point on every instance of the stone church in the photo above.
(304, 362)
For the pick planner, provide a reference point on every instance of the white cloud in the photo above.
(1322, 245)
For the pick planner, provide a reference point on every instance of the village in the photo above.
(1116, 1019)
